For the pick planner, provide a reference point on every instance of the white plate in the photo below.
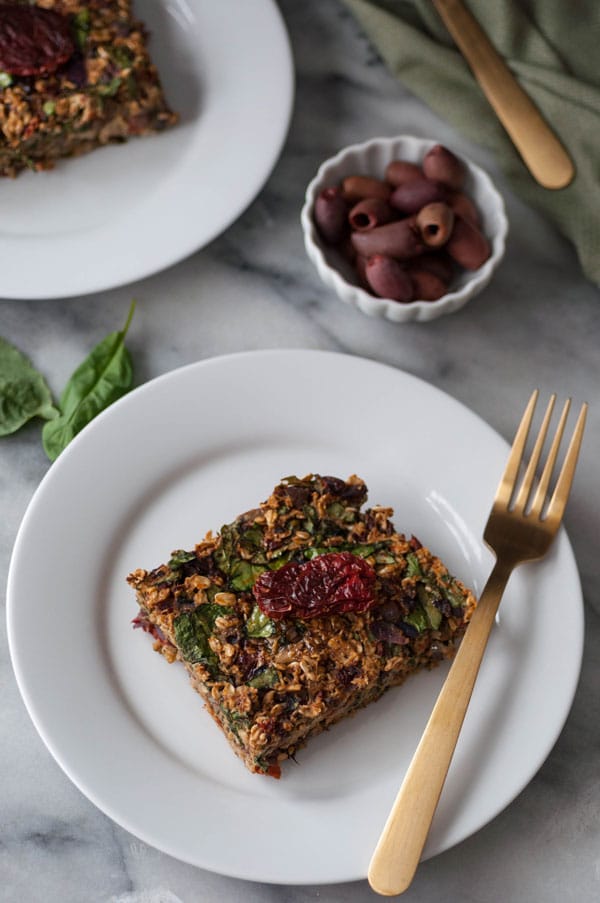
(186, 453)
(124, 212)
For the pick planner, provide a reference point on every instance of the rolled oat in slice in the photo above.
(300, 612)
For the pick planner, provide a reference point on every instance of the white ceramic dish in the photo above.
(125, 212)
(371, 158)
(146, 477)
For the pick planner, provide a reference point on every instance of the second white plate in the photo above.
(124, 212)
(187, 453)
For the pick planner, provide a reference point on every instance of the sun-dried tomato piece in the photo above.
(33, 41)
(331, 583)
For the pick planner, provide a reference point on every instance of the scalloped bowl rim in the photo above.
(386, 307)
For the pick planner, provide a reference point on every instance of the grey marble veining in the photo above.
(538, 323)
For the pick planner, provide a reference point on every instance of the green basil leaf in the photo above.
(104, 376)
(24, 393)
(259, 624)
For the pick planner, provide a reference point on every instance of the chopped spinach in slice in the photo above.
(252, 539)
(243, 574)
(110, 88)
(363, 550)
(82, 23)
(417, 619)
(236, 721)
(179, 558)
(265, 678)
(453, 594)
(259, 624)
(413, 568)
(192, 631)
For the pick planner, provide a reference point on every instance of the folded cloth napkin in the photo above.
(552, 48)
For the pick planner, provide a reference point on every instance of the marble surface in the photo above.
(537, 324)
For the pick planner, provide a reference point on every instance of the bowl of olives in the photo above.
(404, 228)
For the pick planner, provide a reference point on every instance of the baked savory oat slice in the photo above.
(300, 612)
(74, 75)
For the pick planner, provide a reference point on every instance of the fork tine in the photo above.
(509, 477)
(563, 486)
(527, 482)
(540, 496)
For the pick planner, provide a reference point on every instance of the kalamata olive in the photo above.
(400, 239)
(435, 222)
(388, 278)
(331, 215)
(355, 188)
(467, 245)
(441, 164)
(437, 263)
(369, 213)
(412, 196)
(464, 206)
(389, 633)
(426, 285)
(389, 611)
(400, 171)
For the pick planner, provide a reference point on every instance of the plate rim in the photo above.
(30, 705)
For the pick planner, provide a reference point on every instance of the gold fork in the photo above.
(521, 526)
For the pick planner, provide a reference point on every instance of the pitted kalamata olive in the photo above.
(355, 188)
(331, 215)
(464, 206)
(389, 633)
(388, 278)
(412, 196)
(467, 245)
(369, 213)
(438, 263)
(426, 285)
(442, 165)
(389, 611)
(401, 239)
(398, 172)
(435, 222)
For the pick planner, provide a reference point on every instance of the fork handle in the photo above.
(540, 149)
(400, 846)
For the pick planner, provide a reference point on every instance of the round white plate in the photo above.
(186, 453)
(124, 212)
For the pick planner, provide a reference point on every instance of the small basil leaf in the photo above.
(24, 393)
(104, 376)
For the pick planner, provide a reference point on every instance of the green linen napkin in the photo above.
(552, 48)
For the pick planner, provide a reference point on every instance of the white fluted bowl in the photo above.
(371, 159)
